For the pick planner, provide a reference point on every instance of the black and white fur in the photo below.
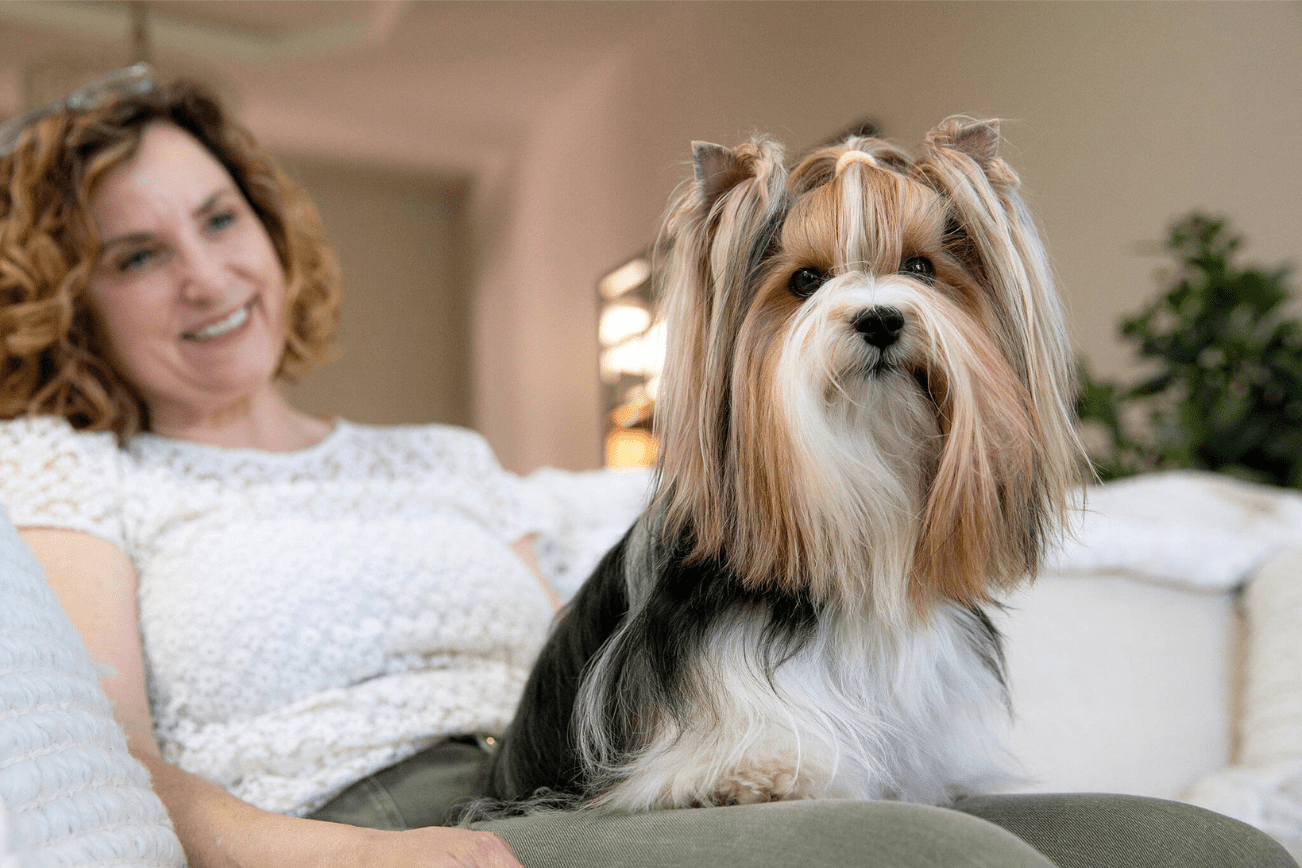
(865, 434)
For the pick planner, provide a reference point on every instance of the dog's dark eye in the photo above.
(805, 282)
(919, 266)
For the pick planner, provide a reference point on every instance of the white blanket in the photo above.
(1187, 529)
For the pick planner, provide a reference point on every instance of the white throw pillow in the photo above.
(70, 794)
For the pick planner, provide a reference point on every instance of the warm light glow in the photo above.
(630, 447)
(642, 356)
(637, 408)
(628, 276)
(619, 322)
(632, 354)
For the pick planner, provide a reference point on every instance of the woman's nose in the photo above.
(204, 281)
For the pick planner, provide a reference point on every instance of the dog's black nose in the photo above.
(880, 326)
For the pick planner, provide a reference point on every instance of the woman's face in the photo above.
(188, 291)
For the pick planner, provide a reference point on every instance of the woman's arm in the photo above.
(526, 551)
(96, 584)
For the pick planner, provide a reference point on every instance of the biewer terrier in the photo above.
(866, 434)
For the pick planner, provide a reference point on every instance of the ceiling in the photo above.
(434, 84)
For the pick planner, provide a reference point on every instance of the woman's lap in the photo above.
(423, 790)
(1089, 830)
(1045, 831)
(776, 835)
(1035, 831)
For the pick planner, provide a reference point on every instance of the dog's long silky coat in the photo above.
(865, 433)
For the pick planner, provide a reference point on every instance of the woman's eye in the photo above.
(919, 266)
(805, 282)
(136, 259)
(219, 221)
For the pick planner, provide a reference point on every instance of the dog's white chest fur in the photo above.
(859, 712)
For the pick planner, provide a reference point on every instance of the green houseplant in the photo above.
(1225, 389)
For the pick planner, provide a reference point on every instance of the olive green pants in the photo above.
(1026, 831)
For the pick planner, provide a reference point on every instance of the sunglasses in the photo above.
(128, 81)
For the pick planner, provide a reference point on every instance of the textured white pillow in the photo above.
(1186, 529)
(1264, 788)
(8, 858)
(69, 791)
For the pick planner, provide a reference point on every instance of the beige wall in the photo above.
(1122, 116)
(404, 339)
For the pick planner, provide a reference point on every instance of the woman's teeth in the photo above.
(231, 323)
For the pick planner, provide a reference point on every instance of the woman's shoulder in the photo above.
(35, 440)
(52, 475)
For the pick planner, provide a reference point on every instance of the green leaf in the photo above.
(1226, 392)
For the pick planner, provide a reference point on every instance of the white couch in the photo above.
(1138, 664)
(1161, 654)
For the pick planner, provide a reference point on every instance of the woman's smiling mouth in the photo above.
(221, 327)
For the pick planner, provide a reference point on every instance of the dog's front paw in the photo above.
(757, 783)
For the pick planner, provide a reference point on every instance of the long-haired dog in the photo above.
(865, 434)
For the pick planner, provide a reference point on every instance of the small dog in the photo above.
(866, 432)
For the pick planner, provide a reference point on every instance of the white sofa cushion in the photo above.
(1119, 686)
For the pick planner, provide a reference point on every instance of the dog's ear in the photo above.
(718, 170)
(992, 233)
(978, 139)
(989, 228)
(712, 233)
(960, 159)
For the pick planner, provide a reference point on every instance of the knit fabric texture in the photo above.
(70, 794)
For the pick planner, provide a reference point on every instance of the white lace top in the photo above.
(308, 617)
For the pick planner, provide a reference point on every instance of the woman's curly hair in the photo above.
(51, 358)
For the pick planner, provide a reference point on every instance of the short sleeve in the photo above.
(511, 507)
(53, 476)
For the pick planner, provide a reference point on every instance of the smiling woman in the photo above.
(160, 277)
(191, 228)
(189, 295)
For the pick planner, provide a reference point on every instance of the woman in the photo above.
(293, 606)
(161, 275)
